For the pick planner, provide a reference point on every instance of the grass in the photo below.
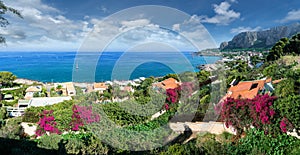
(290, 59)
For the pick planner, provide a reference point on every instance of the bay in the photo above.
(60, 66)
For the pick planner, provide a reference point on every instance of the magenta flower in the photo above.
(283, 126)
(167, 106)
(81, 115)
(46, 123)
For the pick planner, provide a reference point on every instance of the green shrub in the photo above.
(50, 142)
(175, 149)
(12, 129)
(207, 143)
(61, 111)
(74, 146)
(31, 117)
(256, 142)
(3, 113)
(83, 143)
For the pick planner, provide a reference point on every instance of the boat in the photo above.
(77, 65)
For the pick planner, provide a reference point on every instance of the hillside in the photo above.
(260, 39)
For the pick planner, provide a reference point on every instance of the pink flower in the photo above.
(166, 106)
(226, 124)
(46, 123)
(285, 124)
(272, 112)
(81, 115)
(172, 95)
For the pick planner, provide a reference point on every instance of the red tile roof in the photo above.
(247, 89)
(169, 83)
(100, 85)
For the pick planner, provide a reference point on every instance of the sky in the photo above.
(114, 25)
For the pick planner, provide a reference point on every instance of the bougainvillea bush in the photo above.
(257, 112)
(182, 93)
(47, 123)
(83, 115)
(172, 97)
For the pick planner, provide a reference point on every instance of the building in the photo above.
(67, 88)
(127, 88)
(169, 83)
(101, 87)
(70, 89)
(34, 102)
(8, 97)
(31, 90)
(142, 78)
(43, 101)
(249, 89)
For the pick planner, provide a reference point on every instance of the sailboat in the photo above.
(77, 65)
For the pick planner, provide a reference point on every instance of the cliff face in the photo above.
(261, 39)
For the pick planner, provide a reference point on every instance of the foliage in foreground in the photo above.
(256, 142)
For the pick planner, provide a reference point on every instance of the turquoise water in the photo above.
(59, 66)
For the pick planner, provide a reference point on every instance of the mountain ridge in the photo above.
(260, 39)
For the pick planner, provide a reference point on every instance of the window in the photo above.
(254, 85)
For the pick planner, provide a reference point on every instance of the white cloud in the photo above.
(195, 32)
(42, 21)
(244, 29)
(15, 34)
(122, 35)
(176, 27)
(31, 4)
(293, 15)
(45, 28)
(224, 15)
(134, 23)
(104, 9)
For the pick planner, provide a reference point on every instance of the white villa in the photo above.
(68, 88)
(34, 102)
(31, 90)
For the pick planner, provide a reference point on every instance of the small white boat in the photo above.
(77, 65)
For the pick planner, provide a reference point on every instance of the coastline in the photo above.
(27, 81)
(58, 66)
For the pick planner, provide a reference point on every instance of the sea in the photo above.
(68, 66)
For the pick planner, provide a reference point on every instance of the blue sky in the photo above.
(64, 25)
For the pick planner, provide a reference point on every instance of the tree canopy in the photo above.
(285, 46)
(3, 21)
(7, 78)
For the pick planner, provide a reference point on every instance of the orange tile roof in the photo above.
(169, 83)
(247, 89)
(276, 81)
(261, 84)
(268, 80)
(241, 86)
(100, 85)
(245, 94)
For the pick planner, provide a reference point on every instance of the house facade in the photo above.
(101, 87)
(31, 90)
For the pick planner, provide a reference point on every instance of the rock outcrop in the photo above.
(261, 39)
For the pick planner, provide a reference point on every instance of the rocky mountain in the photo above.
(261, 39)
